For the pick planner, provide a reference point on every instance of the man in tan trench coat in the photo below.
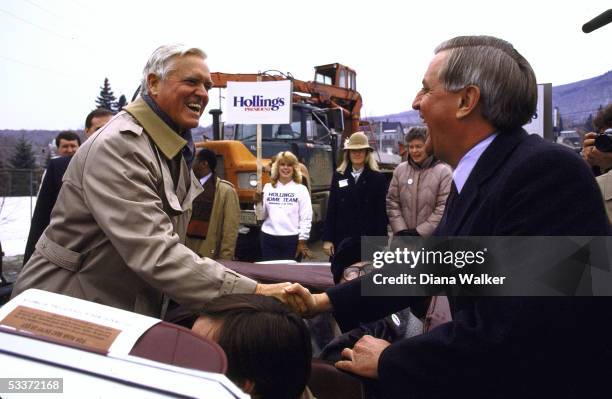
(117, 232)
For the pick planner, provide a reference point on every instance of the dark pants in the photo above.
(278, 247)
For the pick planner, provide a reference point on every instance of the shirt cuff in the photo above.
(234, 283)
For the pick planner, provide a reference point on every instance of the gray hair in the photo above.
(508, 86)
(161, 63)
(416, 132)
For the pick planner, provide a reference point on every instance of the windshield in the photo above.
(271, 132)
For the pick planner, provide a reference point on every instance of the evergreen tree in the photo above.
(22, 182)
(23, 156)
(106, 98)
(122, 102)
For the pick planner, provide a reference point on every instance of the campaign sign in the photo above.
(259, 102)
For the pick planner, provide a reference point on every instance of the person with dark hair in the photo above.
(357, 194)
(96, 119)
(477, 93)
(418, 189)
(213, 228)
(268, 346)
(67, 143)
(117, 232)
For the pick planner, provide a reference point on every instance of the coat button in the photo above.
(410, 181)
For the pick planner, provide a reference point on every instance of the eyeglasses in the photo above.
(357, 270)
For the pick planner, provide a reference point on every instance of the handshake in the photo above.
(299, 298)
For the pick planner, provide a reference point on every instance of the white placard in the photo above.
(536, 125)
(130, 325)
(259, 102)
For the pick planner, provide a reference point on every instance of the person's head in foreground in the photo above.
(267, 345)
(177, 79)
(474, 86)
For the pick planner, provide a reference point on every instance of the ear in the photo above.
(467, 101)
(248, 387)
(152, 84)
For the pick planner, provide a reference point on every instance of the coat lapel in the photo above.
(487, 166)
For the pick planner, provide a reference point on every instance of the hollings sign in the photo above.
(259, 102)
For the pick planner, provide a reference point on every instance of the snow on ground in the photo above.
(15, 217)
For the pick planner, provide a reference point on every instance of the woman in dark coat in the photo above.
(358, 191)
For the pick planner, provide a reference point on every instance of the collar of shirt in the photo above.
(356, 173)
(204, 179)
(284, 184)
(467, 163)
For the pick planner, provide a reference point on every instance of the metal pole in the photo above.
(258, 206)
(31, 193)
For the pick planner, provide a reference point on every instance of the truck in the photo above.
(325, 111)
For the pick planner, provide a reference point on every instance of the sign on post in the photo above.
(259, 102)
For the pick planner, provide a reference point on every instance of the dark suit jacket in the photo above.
(49, 190)
(512, 347)
(356, 209)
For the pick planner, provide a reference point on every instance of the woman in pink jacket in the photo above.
(418, 190)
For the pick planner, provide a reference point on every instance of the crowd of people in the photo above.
(136, 219)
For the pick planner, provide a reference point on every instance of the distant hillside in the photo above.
(575, 101)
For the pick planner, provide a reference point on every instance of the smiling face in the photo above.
(416, 148)
(438, 108)
(285, 172)
(183, 94)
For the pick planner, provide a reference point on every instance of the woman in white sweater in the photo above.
(287, 211)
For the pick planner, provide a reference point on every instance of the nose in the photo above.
(202, 92)
(416, 103)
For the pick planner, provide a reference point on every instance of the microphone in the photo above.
(602, 19)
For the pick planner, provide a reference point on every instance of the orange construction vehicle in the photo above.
(334, 87)
(324, 111)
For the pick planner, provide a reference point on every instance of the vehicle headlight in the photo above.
(247, 180)
(253, 180)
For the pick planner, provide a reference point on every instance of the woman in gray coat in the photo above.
(418, 190)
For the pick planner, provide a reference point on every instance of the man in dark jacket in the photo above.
(477, 93)
(52, 180)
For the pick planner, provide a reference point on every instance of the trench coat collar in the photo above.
(166, 139)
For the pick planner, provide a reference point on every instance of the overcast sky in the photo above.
(56, 53)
